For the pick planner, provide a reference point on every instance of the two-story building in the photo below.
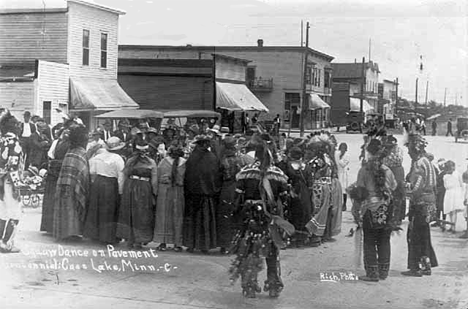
(60, 58)
(357, 74)
(387, 98)
(274, 74)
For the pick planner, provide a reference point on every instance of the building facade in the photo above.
(356, 75)
(274, 74)
(62, 58)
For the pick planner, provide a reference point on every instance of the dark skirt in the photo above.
(419, 242)
(301, 211)
(200, 222)
(101, 219)
(225, 227)
(47, 218)
(136, 212)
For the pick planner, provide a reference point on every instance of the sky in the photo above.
(399, 32)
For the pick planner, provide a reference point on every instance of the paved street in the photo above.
(182, 280)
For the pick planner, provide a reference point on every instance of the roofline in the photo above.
(33, 11)
(231, 58)
(255, 48)
(390, 81)
(99, 6)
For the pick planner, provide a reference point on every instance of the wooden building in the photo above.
(60, 58)
(274, 74)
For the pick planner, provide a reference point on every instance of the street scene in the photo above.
(233, 154)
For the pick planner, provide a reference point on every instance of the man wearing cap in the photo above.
(123, 132)
(215, 144)
(27, 128)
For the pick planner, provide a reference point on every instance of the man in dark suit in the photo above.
(123, 132)
(27, 129)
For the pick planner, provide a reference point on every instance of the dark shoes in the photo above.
(273, 289)
(161, 247)
(372, 274)
(412, 273)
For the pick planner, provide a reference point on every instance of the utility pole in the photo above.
(304, 86)
(361, 107)
(370, 42)
(456, 98)
(396, 97)
(427, 87)
(302, 33)
(416, 95)
(445, 96)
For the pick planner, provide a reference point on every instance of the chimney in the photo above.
(260, 43)
(355, 60)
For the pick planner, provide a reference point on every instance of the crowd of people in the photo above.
(249, 194)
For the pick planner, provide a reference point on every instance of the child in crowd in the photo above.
(454, 197)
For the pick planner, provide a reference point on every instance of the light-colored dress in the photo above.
(343, 169)
(453, 199)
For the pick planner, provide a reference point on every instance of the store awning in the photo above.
(99, 94)
(315, 102)
(355, 105)
(237, 97)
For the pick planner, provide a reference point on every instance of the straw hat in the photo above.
(215, 129)
(114, 143)
(201, 138)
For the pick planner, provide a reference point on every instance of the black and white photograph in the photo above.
(218, 154)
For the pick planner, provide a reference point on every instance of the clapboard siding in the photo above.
(17, 97)
(96, 21)
(26, 37)
(53, 85)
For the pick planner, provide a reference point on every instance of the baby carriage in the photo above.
(32, 190)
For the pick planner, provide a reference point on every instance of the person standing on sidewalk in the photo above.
(27, 129)
(422, 190)
(434, 127)
(342, 162)
(449, 127)
(261, 190)
(373, 210)
(10, 166)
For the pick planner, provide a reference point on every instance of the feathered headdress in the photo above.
(7, 122)
(416, 142)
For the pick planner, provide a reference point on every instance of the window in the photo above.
(47, 111)
(85, 47)
(319, 77)
(103, 50)
(326, 80)
(309, 75)
(250, 76)
(291, 99)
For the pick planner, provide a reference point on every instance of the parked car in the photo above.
(354, 121)
(462, 129)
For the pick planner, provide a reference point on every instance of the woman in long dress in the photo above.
(170, 204)
(136, 213)
(106, 167)
(342, 163)
(454, 197)
(56, 154)
(71, 196)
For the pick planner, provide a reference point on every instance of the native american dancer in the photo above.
(373, 194)
(422, 192)
(319, 180)
(11, 165)
(261, 190)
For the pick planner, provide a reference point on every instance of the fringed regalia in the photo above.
(259, 192)
(320, 183)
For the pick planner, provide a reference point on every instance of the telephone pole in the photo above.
(396, 97)
(304, 85)
(361, 107)
(427, 87)
(416, 95)
(445, 96)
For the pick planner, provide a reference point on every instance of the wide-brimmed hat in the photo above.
(201, 138)
(224, 130)
(114, 143)
(214, 129)
(152, 130)
(135, 131)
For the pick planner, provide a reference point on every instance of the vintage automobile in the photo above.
(354, 121)
(184, 118)
(462, 129)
